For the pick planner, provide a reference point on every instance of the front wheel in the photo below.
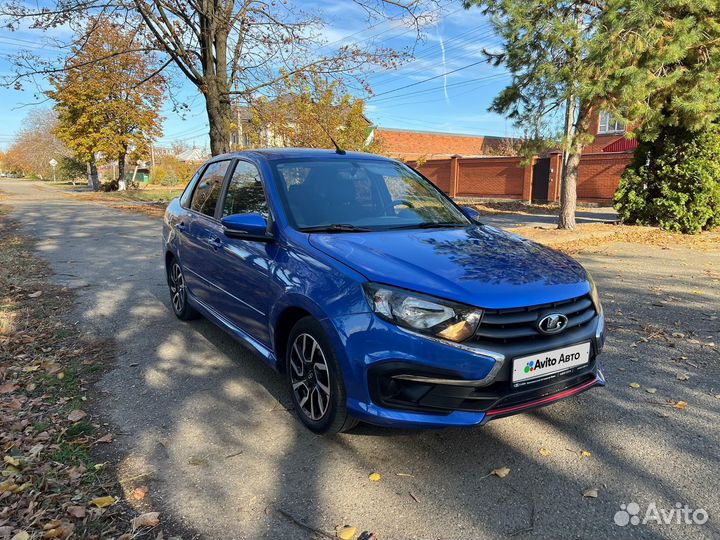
(178, 293)
(316, 385)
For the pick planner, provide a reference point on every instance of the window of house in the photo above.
(207, 192)
(609, 124)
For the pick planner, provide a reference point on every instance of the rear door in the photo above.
(245, 266)
(202, 231)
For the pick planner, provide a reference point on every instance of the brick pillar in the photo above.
(555, 172)
(454, 175)
(528, 180)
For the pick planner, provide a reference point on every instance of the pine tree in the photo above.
(627, 57)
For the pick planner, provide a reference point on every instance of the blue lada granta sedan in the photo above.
(375, 295)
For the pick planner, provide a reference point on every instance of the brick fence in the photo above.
(507, 178)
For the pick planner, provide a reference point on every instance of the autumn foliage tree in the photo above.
(104, 103)
(310, 110)
(225, 48)
(35, 145)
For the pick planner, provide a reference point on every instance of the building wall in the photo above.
(490, 177)
(417, 144)
(436, 170)
(600, 175)
(506, 178)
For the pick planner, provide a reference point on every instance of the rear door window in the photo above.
(207, 192)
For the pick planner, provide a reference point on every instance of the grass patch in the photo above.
(70, 454)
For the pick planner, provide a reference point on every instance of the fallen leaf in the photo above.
(500, 472)
(11, 461)
(374, 477)
(7, 388)
(150, 519)
(346, 532)
(105, 438)
(63, 530)
(585, 453)
(9, 486)
(102, 502)
(35, 294)
(634, 385)
(592, 492)
(544, 452)
(76, 415)
(22, 535)
(139, 493)
(682, 377)
(651, 390)
(76, 511)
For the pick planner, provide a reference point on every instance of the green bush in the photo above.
(71, 169)
(673, 182)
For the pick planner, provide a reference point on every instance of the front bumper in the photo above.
(436, 384)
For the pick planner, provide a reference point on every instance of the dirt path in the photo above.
(206, 420)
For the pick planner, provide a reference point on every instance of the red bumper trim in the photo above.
(548, 399)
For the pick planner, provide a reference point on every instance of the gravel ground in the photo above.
(207, 422)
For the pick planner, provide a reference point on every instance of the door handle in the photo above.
(180, 226)
(215, 242)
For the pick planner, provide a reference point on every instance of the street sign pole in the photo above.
(53, 164)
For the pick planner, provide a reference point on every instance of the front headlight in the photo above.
(594, 296)
(424, 314)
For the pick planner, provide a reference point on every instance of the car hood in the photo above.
(477, 265)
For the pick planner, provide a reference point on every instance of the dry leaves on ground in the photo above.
(48, 475)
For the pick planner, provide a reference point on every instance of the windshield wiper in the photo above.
(432, 225)
(335, 227)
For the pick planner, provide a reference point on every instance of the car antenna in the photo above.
(338, 150)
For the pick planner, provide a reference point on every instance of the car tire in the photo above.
(178, 292)
(315, 381)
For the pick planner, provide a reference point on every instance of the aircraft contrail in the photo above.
(442, 50)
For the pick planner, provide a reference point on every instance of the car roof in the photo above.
(272, 154)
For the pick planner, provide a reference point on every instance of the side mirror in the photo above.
(247, 227)
(470, 213)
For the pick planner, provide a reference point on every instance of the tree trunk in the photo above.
(93, 180)
(577, 124)
(220, 117)
(122, 185)
(568, 191)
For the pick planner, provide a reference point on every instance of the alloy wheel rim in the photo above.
(310, 376)
(177, 288)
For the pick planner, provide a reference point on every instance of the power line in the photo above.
(434, 88)
(428, 79)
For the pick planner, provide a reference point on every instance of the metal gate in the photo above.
(541, 180)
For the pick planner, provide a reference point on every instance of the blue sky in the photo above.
(453, 41)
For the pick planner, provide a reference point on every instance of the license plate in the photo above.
(546, 363)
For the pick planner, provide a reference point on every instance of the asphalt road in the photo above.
(207, 421)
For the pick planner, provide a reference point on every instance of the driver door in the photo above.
(245, 266)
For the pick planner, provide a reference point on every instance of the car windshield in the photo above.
(347, 195)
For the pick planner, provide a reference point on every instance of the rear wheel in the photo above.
(178, 293)
(316, 385)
